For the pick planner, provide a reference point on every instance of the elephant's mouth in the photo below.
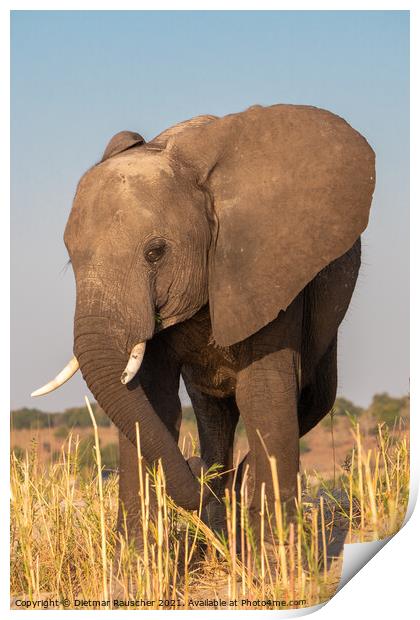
(163, 322)
(134, 348)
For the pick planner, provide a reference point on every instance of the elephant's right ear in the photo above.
(122, 141)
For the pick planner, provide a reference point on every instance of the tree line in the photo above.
(383, 408)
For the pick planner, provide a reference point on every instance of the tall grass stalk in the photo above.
(101, 498)
(63, 540)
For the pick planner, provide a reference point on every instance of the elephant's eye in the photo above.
(155, 253)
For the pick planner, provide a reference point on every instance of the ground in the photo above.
(354, 487)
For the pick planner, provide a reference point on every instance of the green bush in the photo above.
(30, 418)
(343, 407)
(385, 408)
(73, 417)
(79, 416)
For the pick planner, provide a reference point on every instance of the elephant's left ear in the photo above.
(291, 189)
(121, 142)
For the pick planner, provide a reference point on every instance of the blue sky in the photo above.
(79, 77)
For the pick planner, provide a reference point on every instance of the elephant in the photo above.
(224, 251)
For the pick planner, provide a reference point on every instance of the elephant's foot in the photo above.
(214, 516)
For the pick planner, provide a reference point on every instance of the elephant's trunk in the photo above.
(101, 364)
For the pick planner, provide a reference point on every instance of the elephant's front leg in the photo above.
(216, 420)
(267, 396)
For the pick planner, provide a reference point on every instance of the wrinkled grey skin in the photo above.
(242, 234)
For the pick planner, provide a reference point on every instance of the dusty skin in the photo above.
(229, 248)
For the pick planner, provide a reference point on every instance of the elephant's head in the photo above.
(138, 235)
(241, 212)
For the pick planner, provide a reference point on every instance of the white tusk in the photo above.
(63, 376)
(134, 363)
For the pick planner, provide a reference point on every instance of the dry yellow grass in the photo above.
(63, 535)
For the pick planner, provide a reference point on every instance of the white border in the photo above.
(387, 585)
